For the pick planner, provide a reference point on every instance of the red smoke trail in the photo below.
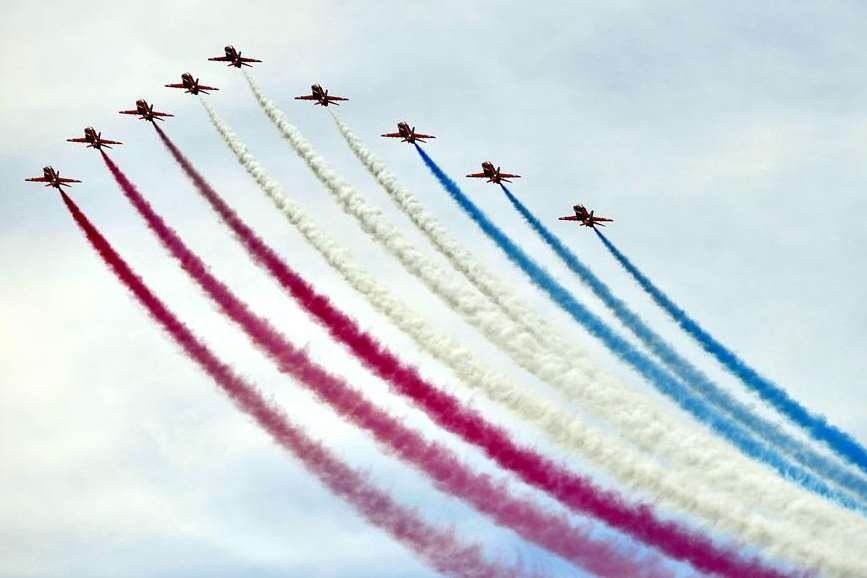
(575, 491)
(439, 548)
(489, 496)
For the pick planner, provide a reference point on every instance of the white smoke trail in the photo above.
(461, 259)
(451, 249)
(635, 417)
(672, 489)
(646, 426)
(678, 490)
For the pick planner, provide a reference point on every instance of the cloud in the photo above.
(726, 141)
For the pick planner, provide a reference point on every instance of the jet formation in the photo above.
(232, 57)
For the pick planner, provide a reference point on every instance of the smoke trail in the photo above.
(438, 548)
(489, 285)
(684, 369)
(486, 494)
(525, 350)
(579, 493)
(502, 331)
(495, 291)
(456, 293)
(542, 414)
(800, 543)
(815, 425)
(646, 427)
(661, 379)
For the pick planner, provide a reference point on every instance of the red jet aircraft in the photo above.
(94, 139)
(406, 134)
(234, 58)
(146, 112)
(585, 217)
(493, 175)
(320, 96)
(52, 178)
(191, 86)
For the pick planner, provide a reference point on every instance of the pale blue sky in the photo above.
(726, 140)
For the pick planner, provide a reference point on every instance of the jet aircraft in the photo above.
(52, 178)
(320, 95)
(406, 134)
(145, 111)
(493, 175)
(94, 139)
(234, 58)
(585, 218)
(190, 85)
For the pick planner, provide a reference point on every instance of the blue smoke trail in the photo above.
(816, 425)
(660, 378)
(688, 372)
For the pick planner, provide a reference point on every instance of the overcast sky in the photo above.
(727, 142)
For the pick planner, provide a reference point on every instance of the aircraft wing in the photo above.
(221, 59)
(508, 176)
(306, 97)
(161, 114)
(392, 134)
(569, 218)
(336, 98)
(175, 86)
(600, 219)
(38, 180)
(245, 59)
(417, 135)
(203, 87)
(130, 112)
(81, 139)
(65, 180)
(108, 142)
(478, 175)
